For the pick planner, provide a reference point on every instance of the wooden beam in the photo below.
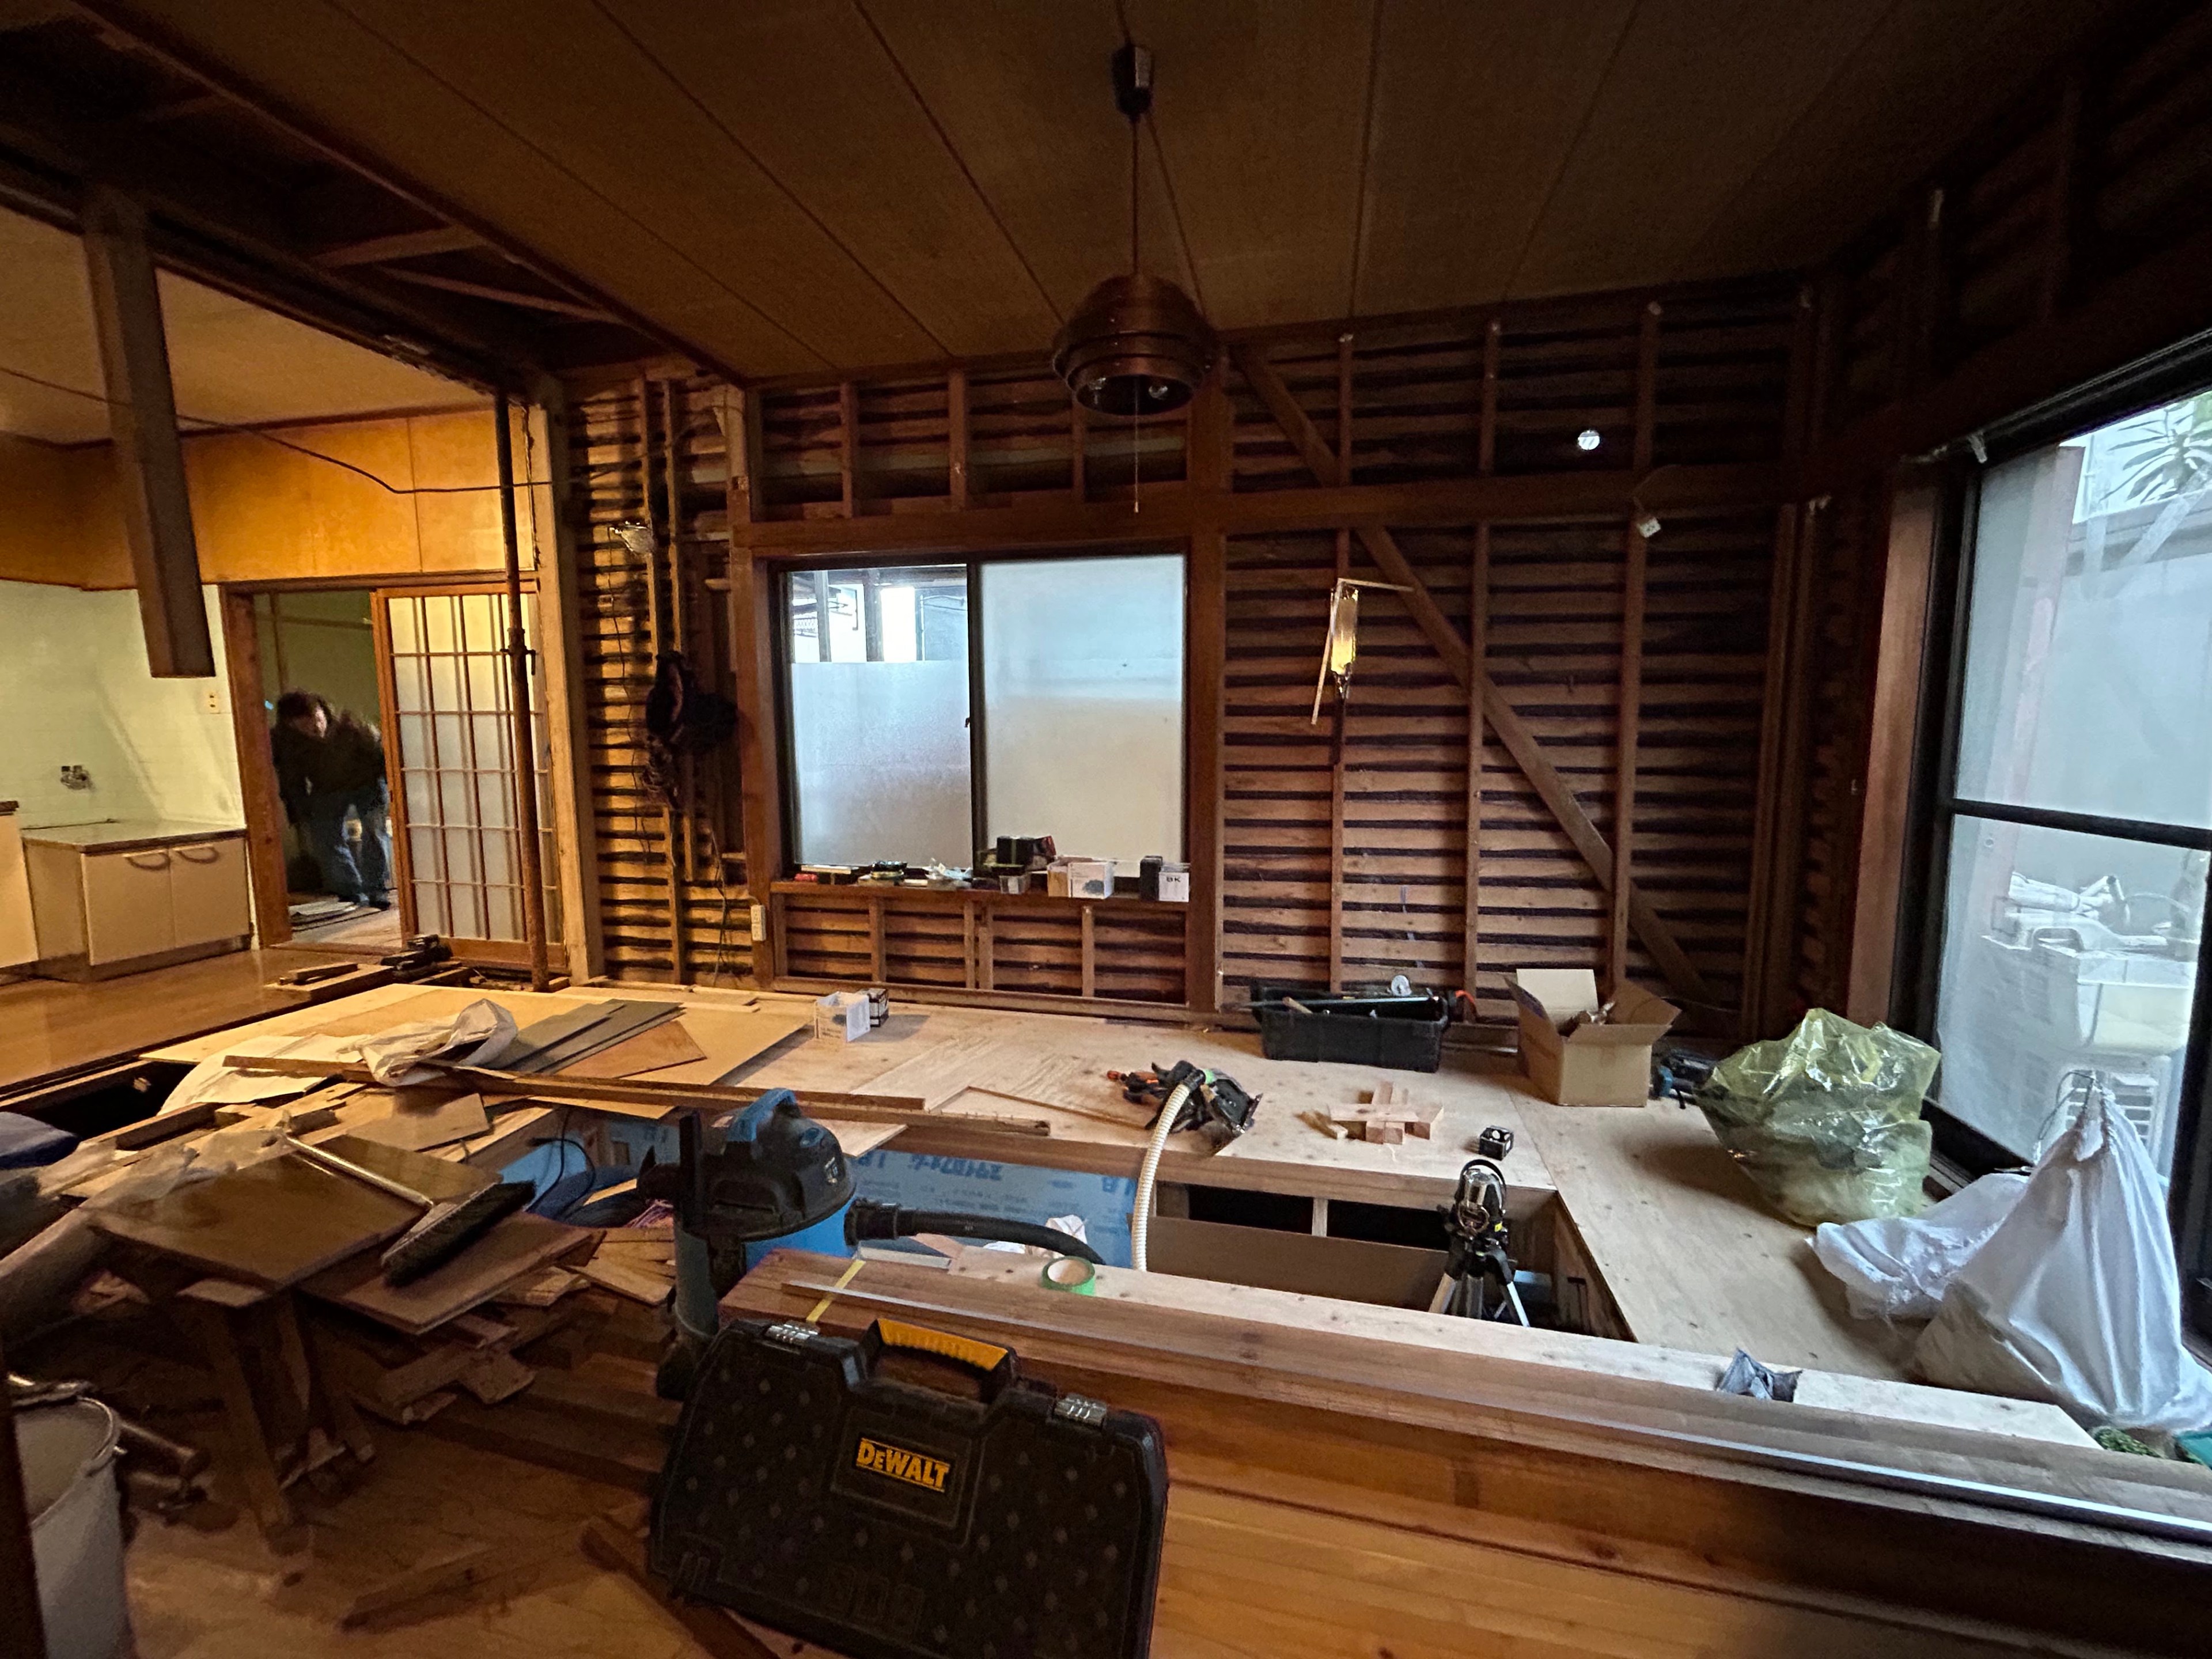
(505, 296)
(1088, 971)
(141, 422)
(956, 438)
(407, 244)
(1629, 719)
(1172, 510)
(1512, 731)
(1340, 474)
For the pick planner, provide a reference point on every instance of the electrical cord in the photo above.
(1140, 1215)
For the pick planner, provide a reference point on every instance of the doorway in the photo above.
(323, 643)
(426, 666)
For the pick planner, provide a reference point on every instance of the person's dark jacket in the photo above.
(349, 758)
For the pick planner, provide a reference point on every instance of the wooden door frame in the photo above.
(257, 768)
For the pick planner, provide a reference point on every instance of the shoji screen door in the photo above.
(450, 757)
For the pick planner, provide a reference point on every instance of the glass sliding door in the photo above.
(2077, 819)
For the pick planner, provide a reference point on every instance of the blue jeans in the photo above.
(325, 831)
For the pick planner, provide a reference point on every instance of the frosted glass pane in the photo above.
(2088, 681)
(880, 752)
(1083, 704)
(879, 731)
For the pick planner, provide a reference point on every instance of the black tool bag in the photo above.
(890, 1521)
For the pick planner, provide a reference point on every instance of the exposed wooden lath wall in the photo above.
(1343, 862)
(668, 909)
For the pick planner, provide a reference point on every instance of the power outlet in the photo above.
(760, 924)
(214, 699)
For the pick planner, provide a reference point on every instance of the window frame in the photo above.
(1936, 806)
(973, 560)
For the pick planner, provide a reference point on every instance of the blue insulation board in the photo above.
(1014, 1192)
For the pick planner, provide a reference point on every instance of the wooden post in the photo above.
(956, 437)
(661, 637)
(1090, 950)
(1477, 634)
(1205, 633)
(760, 789)
(849, 446)
(1893, 719)
(968, 944)
(1630, 719)
(1336, 740)
(561, 657)
(1486, 440)
(876, 938)
(1768, 807)
(142, 421)
(521, 716)
(679, 615)
(256, 772)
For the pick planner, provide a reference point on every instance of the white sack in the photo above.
(2075, 1298)
(479, 1035)
(1896, 1267)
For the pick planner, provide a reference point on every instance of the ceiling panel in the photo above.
(577, 90)
(1024, 94)
(1261, 110)
(1699, 95)
(229, 361)
(1930, 74)
(858, 148)
(355, 85)
(1474, 106)
(792, 185)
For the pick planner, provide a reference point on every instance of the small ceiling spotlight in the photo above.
(1587, 440)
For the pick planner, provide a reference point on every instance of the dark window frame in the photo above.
(973, 561)
(1936, 806)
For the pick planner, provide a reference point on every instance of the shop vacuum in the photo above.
(809, 1489)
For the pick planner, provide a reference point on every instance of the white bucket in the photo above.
(76, 1527)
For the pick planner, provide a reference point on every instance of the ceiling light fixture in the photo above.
(1136, 345)
(1587, 440)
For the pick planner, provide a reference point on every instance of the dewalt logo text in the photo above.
(899, 1464)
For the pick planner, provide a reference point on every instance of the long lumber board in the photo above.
(1358, 1425)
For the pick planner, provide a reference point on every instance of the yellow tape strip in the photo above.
(843, 1280)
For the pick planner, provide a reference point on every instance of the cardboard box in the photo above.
(842, 1014)
(1577, 1063)
(1081, 878)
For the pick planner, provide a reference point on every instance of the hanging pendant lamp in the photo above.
(1136, 345)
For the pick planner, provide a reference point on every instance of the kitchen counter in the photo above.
(129, 835)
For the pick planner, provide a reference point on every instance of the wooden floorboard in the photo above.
(49, 1028)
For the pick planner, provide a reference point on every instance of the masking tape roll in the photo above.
(1071, 1273)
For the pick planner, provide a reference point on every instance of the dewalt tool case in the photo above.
(892, 1521)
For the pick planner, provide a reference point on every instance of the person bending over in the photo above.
(330, 767)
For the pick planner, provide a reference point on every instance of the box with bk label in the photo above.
(890, 1520)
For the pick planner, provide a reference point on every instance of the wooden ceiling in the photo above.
(231, 361)
(795, 185)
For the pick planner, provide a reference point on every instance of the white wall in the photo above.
(74, 690)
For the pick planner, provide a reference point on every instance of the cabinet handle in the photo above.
(139, 860)
(200, 854)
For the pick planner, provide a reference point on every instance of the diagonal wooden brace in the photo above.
(1505, 720)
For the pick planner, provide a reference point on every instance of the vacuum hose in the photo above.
(865, 1220)
(1141, 1217)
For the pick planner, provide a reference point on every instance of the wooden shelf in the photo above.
(1030, 945)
